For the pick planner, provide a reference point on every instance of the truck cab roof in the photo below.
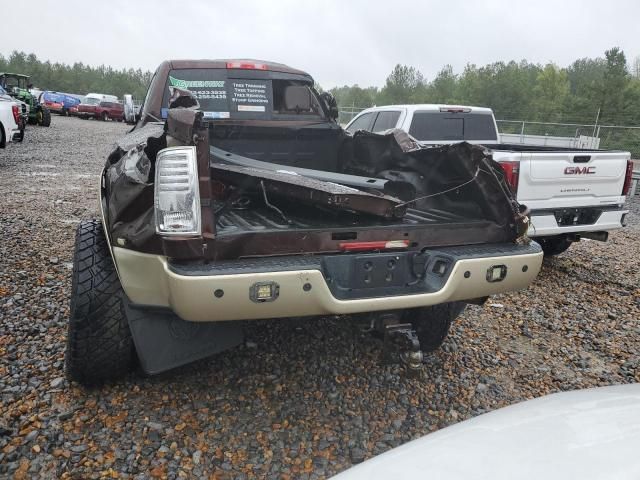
(431, 107)
(232, 63)
(226, 88)
(431, 123)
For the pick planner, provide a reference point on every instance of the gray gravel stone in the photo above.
(57, 382)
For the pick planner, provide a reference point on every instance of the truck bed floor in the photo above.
(264, 219)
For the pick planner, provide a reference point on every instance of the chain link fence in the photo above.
(346, 114)
(572, 135)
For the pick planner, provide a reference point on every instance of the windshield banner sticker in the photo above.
(250, 96)
(189, 84)
(226, 97)
(203, 89)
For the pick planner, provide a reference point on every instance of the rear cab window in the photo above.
(436, 126)
(363, 122)
(386, 120)
(246, 94)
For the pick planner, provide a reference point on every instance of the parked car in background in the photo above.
(58, 102)
(109, 111)
(100, 106)
(102, 97)
(12, 122)
(587, 434)
(24, 107)
(101, 110)
(572, 193)
(52, 101)
(87, 108)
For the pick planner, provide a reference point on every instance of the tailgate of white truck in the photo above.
(572, 179)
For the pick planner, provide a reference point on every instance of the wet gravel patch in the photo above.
(303, 398)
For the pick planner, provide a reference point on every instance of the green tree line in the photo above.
(78, 78)
(519, 90)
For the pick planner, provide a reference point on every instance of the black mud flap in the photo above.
(164, 341)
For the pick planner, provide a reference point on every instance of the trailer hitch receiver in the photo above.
(401, 340)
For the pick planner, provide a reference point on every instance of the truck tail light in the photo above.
(627, 178)
(511, 174)
(247, 65)
(16, 113)
(177, 198)
(455, 109)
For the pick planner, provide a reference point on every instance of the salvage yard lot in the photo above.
(303, 398)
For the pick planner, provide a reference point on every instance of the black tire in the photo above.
(552, 246)
(3, 140)
(46, 118)
(104, 116)
(21, 136)
(432, 323)
(99, 344)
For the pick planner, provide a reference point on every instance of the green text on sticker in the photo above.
(176, 82)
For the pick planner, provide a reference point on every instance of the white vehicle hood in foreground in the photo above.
(585, 434)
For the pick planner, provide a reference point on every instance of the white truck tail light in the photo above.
(628, 178)
(511, 174)
(15, 110)
(177, 199)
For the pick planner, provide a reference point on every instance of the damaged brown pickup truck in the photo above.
(237, 196)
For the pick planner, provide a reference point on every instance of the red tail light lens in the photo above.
(247, 65)
(627, 178)
(376, 245)
(511, 174)
(16, 113)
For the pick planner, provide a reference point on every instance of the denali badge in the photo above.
(579, 170)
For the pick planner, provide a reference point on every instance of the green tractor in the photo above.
(18, 86)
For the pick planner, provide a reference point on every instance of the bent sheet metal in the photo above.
(315, 192)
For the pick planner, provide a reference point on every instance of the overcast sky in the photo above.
(338, 42)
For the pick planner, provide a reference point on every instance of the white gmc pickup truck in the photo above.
(571, 194)
(11, 120)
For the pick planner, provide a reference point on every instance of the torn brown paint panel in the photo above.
(183, 123)
(309, 190)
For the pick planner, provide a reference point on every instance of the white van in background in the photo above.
(101, 97)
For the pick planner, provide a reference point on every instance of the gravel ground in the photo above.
(302, 398)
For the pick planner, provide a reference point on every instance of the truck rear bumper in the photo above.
(227, 290)
(15, 134)
(545, 224)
